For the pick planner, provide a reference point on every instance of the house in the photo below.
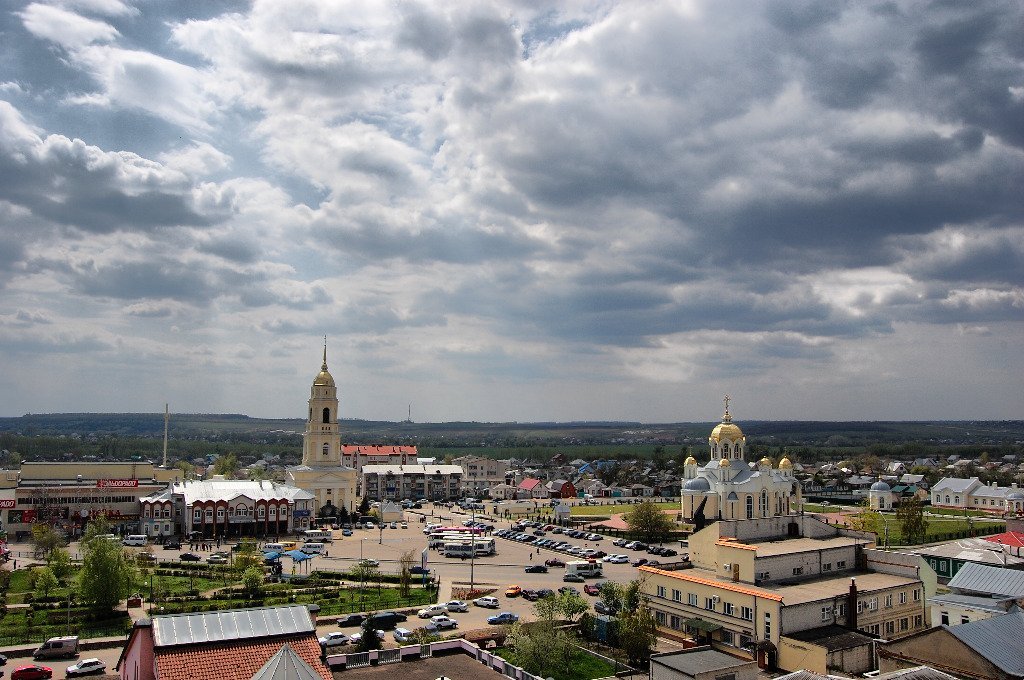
(952, 492)
(641, 490)
(592, 487)
(700, 663)
(531, 487)
(560, 488)
(989, 649)
(502, 492)
(221, 645)
(949, 558)
(896, 468)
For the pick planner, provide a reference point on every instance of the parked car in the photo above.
(418, 570)
(216, 559)
(531, 595)
(456, 606)
(568, 589)
(173, 544)
(350, 620)
(32, 672)
(620, 542)
(369, 563)
(591, 589)
(86, 667)
(346, 532)
(513, 591)
(335, 639)
(536, 569)
(554, 562)
(189, 557)
(504, 617)
(601, 608)
(487, 602)
(545, 592)
(640, 562)
(617, 559)
(402, 635)
(356, 637)
(444, 622)
(387, 620)
(431, 610)
(572, 578)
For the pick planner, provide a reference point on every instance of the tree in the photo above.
(187, 469)
(226, 465)
(343, 516)
(247, 557)
(45, 582)
(866, 519)
(252, 580)
(45, 539)
(405, 563)
(107, 571)
(364, 572)
(647, 522)
(364, 506)
(368, 640)
(59, 563)
(914, 526)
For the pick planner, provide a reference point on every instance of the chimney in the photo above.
(851, 606)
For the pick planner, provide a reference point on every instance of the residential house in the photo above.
(502, 492)
(560, 488)
(641, 490)
(989, 649)
(952, 492)
(896, 468)
(480, 473)
(531, 487)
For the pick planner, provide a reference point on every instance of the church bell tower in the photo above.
(321, 443)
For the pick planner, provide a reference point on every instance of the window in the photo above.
(764, 503)
(209, 513)
(746, 613)
(965, 619)
(903, 597)
(327, 449)
(709, 603)
(677, 595)
(945, 618)
(827, 566)
(841, 564)
(917, 594)
(873, 604)
(750, 507)
(888, 601)
(659, 618)
(797, 571)
(873, 629)
(918, 621)
(728, 638)
(826, 613)
(745, 641)
(691, 599)
(956, 500)
(763, 576)
(947, 500)
(890, 627)
(262, 512)
(905, 623)
(197, 515)
(860, 606)
(675, 623)
(220, 514)
(767, 625)
(842, 610)
(730, 609)
(661, 591)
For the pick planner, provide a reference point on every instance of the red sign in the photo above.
(7, 503)
(117, 483)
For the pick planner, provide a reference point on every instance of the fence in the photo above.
(39, 634)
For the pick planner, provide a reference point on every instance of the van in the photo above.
(273, 547)
(135, 539)
(313, 548)
(57, 648)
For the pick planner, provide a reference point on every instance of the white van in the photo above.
(57, 648)
(313, 548)
(273, 547)
(135, 539)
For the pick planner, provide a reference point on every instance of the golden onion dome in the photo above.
(785, 464)
(725, 463)
(324, 377)
(765, 461)
(690, 461)
(728, 431)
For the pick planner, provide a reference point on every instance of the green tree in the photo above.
(364, 572)
(107, 570)
(368, 640)
(45, 539)
(252, 581)
(247, 557)
(648, 523)
(867, 519)
(913, 524)
(364, 506)
(59, 563)
(188, 470)
(45, 582)
(226, 465)
(405, 563)
(636, 632)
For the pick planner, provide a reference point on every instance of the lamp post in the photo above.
(472, 555)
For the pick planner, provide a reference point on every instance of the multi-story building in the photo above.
(358, 455)
(480, 474)
(396, 482)
(751, 582)
(951, 492)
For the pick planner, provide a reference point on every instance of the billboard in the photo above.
(117, 483)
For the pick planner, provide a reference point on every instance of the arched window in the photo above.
(327, 415)
(750, 507)
(327, 449)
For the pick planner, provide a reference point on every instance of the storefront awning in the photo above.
(702, 625)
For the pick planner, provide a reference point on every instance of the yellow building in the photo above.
(323, 472)
(750, 582)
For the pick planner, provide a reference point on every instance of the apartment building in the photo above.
(751, 582)
(481, 474)
(397, 482)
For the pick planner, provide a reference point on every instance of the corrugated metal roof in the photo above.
(997, 639)
(979, 578)
(233, 624)
(955, 484)
(978, 602)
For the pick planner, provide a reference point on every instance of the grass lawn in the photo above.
(584, 666)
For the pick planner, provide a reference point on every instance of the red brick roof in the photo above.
(233, 660)
(528, 484)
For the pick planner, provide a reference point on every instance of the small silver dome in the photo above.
(880, 486)
(697, 484)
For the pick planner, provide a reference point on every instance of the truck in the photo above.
(584, 568)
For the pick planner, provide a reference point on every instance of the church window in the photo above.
(764, 503)
(327, 415)
(750, 507)
(327, 449)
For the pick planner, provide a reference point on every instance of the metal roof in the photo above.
(955, 484)
(979, 578)
(978, 602)
(233, 624)
(997, 639)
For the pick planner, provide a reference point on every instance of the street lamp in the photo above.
(472, 555)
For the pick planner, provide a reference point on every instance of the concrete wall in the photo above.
(780, 567)
(939, 649)
(795, 655)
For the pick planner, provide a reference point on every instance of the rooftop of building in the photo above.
(412, 469)
(698, 660)
(803, 544)
(970, 550)
(983, 579)
(833, 637)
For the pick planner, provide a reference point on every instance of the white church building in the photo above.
(728, 488)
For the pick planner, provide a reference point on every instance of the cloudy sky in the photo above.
(599, 210)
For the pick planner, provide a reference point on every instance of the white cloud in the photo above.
(68, 29)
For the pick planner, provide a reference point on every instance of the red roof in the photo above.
(529, 484)
(1014, 539)
(232, 660)
(350, 449)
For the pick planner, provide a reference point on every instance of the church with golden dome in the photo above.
(728, 488)
(323, 471)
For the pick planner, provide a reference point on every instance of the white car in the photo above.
(487, 601)
(456, 606)
(356, 637)
(335, 639)
(402, 635)
(443, 622)
(432, 610)
(617, 559)
(86, 667)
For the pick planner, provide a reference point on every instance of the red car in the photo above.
(591, 589)
(32, 673)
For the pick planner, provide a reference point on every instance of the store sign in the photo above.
(7, 503)
(117, 483)
(302, 513)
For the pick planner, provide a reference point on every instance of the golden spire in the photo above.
(726, 417)
(324, 367)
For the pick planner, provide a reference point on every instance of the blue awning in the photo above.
(271, 555)
(298, 555)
